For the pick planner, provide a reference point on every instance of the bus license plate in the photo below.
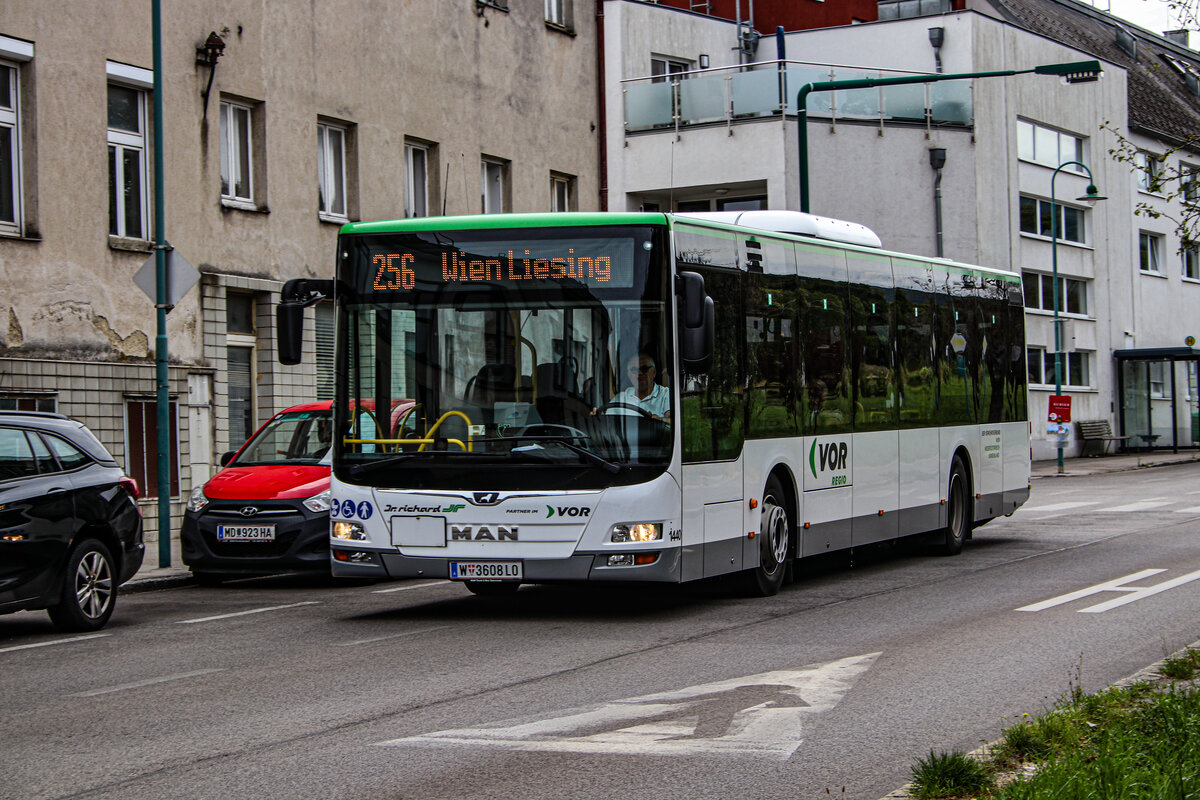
(485, 571)
(245, 533)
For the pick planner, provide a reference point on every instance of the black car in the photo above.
(70, 527)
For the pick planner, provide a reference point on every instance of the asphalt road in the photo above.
(299, 687)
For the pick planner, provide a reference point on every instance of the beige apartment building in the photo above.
(296, 118)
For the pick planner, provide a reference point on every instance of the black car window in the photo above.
(41, 454)
(16, 456)
(70, 456)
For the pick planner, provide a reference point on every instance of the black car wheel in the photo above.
(89, 590)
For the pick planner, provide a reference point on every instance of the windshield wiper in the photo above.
(391, 461)
(565, 441)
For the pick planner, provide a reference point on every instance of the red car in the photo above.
(267, 511)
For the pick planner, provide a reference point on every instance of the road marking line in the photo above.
(147, 682)
(244, 613)
(1138, 594)
(391, 636)
(1061, 506)
(1115, 585)
(406, 588)
(1192, 510)
(56, 641)
(1140, 505)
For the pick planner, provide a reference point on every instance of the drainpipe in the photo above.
(937, 160)
(601, 88)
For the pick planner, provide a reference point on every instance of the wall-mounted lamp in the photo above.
(207, 55)
(704, 61)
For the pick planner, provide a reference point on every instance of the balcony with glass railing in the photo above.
(768, 89)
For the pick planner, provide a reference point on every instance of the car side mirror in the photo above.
(227, 457)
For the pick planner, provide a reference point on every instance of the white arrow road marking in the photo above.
(763, 714)
(1132, 593)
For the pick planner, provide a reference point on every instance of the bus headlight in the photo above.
(637, 532)
(348, 530)
(319, 502)
(197, 500)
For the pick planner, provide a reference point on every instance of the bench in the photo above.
(1096, 436)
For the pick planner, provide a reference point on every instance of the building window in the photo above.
(1047, 146)
(1076, 368)
(237, 181)
(1149, 172)
(128, 189)
(562, 192)
(493, 186)
(416, 166)
(10, 151)
(141, 447)
(662, 68)
(1191, 261)
(1039, 293)
(240, 343)
(1190, 178)
(331, 171)
(1035, 219)
(325, 328)
(556, 12)
(1150, 247)
(28, 403)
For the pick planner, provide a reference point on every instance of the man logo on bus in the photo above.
(832, 456)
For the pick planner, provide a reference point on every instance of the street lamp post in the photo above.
(1091, 197)
(1071, 72)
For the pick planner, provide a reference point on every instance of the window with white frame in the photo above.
(1076, 368)
(10, 150)
(1039, 293)
(1150, 252)
(556, 12)
(1047, 146)
(1149, 171)
(562, 192)
(1036, 219)
(416, 178)
(331, 171)
(237, 181)
(1191, 261)
(240, 353)
(128, 187)
(662, 68)
(1190, 180)
(493, 177)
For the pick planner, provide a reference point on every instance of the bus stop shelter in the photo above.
(1160, 403)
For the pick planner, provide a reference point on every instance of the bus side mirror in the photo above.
(289, 332)
(696, 323)
(297, 295)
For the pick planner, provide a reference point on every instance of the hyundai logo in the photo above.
(248, 511)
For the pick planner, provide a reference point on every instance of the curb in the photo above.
(1148, 674)
(136, 585)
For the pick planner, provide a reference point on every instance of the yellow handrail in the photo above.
(442, 419)
(421, 442)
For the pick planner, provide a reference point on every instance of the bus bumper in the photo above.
(349, 563)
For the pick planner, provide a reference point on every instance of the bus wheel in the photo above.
(774, 543)
(493, 588)
(958, 511)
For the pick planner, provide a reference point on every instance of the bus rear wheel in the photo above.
(774, 543)
(958, 510)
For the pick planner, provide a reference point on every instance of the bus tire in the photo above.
(774, 543)
(958, 510)
(493, 588)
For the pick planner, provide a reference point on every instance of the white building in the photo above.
(959, 168)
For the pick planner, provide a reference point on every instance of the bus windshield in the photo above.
(510, 359)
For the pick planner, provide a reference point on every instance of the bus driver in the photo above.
(644, 393)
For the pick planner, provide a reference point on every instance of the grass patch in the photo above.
(1141, 742)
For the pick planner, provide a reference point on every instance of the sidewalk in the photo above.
(151, 576)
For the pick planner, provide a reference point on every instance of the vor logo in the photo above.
(567, 511)
(832, 456)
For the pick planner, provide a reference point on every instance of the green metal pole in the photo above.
(162, 374)
(1076, 71)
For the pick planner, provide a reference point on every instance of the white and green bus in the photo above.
(533, 398)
